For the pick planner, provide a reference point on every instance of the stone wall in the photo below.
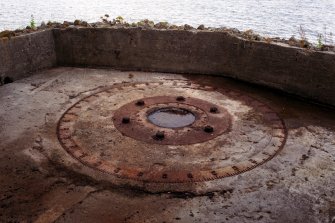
(306, 73)
(20, 56)
(309, 74)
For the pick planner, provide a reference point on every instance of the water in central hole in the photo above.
(171, 117)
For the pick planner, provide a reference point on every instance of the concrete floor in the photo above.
(40, 182)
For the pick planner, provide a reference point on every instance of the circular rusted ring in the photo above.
(140, 128)
(279, 137)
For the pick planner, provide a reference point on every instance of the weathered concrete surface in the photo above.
(23, 55)
(305, 73)
(40, 182)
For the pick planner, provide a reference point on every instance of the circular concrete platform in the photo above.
(45, 180)
(110, 131)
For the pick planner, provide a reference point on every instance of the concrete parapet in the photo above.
(23, 55)
(306, 73)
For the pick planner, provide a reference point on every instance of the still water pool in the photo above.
(267, 17)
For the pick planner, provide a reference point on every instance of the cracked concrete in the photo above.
(40, 182)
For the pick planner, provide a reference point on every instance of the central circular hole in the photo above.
(171, 117)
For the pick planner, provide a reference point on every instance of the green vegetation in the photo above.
(319, 44)
(324, 41)
(32, 22)
(119, 20)
(146, 23)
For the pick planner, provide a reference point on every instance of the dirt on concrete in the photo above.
(40, 181)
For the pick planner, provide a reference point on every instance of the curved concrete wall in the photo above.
(306, 73)
(298, 71)
(20, 56)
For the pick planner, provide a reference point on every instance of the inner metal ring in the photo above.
(140, 128)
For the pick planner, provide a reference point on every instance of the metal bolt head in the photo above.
(208, 129)
(213, 110)
(214, 173)
(125, 120)
(180, 98)
(159, 135)
(189, 175)
(140, 103)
